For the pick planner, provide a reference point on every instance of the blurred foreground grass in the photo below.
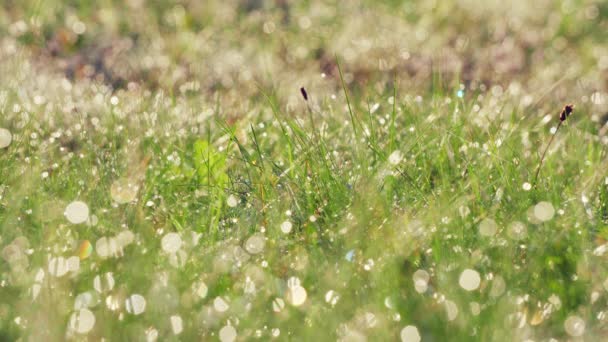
(161, 177)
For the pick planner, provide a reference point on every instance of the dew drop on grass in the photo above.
(421, 280)
(240, 255)
(293, 282)
(106, 247)
(178, 259)
(85, 300)
(77, 212)
(125, 238)
(600, 250)
(5, 137)
(201, 289)
(286, 227)
(544, 211)
(255, 244)
(555, 301)
(352, 334)
(575, 326)
(487, 227)
(249, 287)
(374, 108)
(82, 321)
(332, 297)
(39, 277)
(151, 334)
(278, 304)
(104, 283)
(232, 201)
(93, 220)
(594, 296)
(350, 255)
(469, 280)
(389, 303)
(296, 295)
(220, 304)
(451, 309)
(464, 211)
(395, 158)
(58, 266)
(171, 242)
(410, 334)
(113, 303)
(498, 286)
(227, 333)
(531, 216)
(177, 324)
(369, 264)
(124, 191)
(370, 320)
(537, 318)
(73, 263)
(136, 304)
(475, 308)
(517, 230)
(85, 250)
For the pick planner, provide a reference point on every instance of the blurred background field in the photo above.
(162, 178)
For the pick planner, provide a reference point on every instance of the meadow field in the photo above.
(316, 170)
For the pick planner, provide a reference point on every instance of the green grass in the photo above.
(391, 171)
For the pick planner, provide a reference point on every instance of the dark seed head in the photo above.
(568, 109)
(304, 94)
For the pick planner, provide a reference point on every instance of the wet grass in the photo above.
(224, 207)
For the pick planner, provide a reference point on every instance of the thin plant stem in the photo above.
(350, 110)
(542, 158)
(311, 118)
(310, 111)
